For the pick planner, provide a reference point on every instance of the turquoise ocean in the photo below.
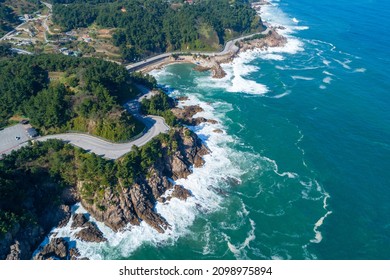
(301, 169)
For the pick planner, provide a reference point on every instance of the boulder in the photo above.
(56, 249)
(180, 192)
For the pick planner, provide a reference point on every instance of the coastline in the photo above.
(156, 222)
(268, 38)
(205, 62)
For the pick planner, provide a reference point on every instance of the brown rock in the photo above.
(218, 130)
(74, 254)
(145, 208)
(181, 193)
(79, 220)
(186, 112)
(217, 71)
(90, 233)
(56, 249)
(179, 167)
(118, 210)
(212, 121)
(14, 252)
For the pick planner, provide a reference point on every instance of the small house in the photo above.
(31, 132)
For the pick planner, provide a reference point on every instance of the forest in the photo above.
(60, 93)
(146, 27)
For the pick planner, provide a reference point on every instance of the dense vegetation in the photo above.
(34, 178)
(5, 50)
(7, 18)
(145, 27)
(60, 93)
(28, 187)
(160, 105)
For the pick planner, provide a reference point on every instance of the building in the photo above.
(31, 132)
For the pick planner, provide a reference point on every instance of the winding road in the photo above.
(230, 47)
(154, 125)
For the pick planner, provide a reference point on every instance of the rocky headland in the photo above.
(117, 206)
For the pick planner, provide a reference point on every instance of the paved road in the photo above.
(230, 47)
(154, 126)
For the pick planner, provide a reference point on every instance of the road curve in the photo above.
(230, 47)
(155, 126)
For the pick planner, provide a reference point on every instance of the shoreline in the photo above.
(204, 62)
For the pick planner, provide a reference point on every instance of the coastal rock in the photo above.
(212, 121)
(182, 98)
(271, 40)
(65, 216)
(145, 208)
(115, 210)
(181, 193)
(78, 221)
(158, 183)
(220, 131)
(74, 254)
(89, 231)
(56, 249)
(201, 68)
(91, 234)
(186, 115)
(217, 71)
(187, 112)
(180, 169)
(15, 252)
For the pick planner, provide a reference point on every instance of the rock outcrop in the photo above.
(135, 203)
(89, 231)
(217, 71)
(180, 193)
(187, 113)
(271, 40)
(57, 249)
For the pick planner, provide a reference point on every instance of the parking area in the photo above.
(12, 137)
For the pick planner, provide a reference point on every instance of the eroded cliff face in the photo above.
(131, 204)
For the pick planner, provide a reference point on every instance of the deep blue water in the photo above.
(350, 145)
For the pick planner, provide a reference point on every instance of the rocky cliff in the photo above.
(131, 204)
